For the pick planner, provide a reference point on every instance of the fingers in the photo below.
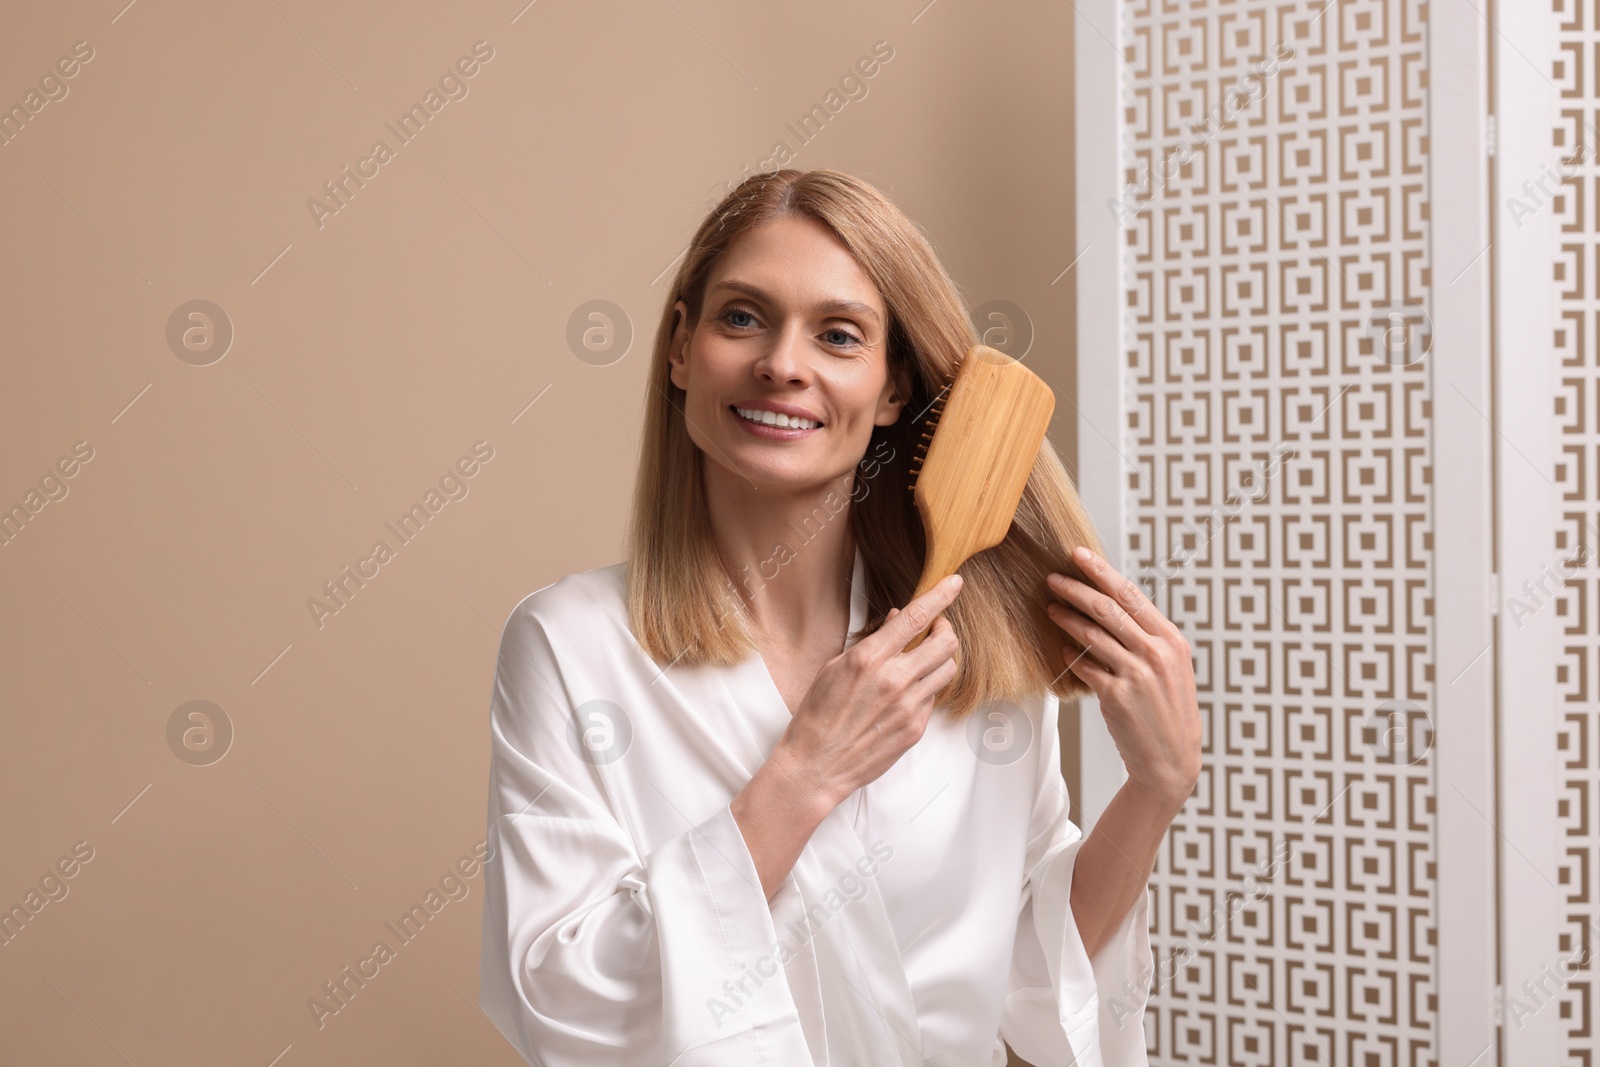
(1127, 623)
(926, 687)
(1122, 592)
(902, 625)
(936, 651)
(1098, 640)
(1083, 664)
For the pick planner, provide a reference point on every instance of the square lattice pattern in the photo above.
(1280, 511)
(1575, 260)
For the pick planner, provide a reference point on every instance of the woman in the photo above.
(729, 828)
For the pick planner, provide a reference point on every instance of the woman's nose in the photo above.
(785, 359)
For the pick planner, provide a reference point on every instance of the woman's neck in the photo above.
(791, 555)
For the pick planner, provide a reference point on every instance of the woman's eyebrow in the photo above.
(825, 306)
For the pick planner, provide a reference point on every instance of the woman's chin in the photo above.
(780, 478)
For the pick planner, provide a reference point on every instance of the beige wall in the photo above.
(369, 354)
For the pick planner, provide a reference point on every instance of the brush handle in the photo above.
(981, 445)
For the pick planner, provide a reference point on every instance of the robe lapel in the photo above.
(856, 955)
(862, 974)
(843, 967)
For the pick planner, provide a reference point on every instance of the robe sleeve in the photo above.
(1062, 1007)
(594, 954)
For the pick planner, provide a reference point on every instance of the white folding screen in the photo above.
(1291, 433)
(1550, 68)
(1547, 763)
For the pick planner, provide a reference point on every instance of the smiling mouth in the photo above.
(773, 419)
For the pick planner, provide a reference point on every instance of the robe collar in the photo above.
(850, 972)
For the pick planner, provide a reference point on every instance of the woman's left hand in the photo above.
(1138, 664)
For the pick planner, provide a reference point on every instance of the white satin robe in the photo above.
(624, 922)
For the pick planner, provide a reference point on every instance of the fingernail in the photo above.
(956, 578)
(1081, 554)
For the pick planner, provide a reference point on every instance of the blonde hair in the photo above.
(682, 604)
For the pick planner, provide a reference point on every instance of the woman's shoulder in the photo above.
(580, 600)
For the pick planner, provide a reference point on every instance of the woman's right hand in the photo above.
(870, 703)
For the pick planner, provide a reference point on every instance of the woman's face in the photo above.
(789, 323)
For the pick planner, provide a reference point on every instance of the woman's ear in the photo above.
(895, 396)
(677, 354)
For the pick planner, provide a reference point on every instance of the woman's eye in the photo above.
(849, 338)
(728, 315)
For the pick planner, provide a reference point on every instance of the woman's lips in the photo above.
(775, 433)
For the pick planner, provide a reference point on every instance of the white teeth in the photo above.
(772, 418)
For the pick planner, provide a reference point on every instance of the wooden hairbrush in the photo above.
(977, 450)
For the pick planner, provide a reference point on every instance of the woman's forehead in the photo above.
(795, 260)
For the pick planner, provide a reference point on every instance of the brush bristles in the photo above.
(936, 409)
